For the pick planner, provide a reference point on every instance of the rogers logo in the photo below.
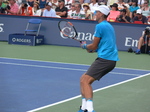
(1, 27)
(14, 39)
(21, 40)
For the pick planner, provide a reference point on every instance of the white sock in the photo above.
(89, 105)
(83, 107)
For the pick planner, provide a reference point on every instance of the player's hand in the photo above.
(90, 51)
(83, 42)
(83, 45)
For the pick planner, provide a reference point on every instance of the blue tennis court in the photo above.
(26, 84)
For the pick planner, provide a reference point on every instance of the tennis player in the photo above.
(105, 45)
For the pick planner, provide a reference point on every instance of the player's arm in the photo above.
(92, 46)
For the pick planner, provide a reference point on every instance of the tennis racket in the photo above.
(68, 30)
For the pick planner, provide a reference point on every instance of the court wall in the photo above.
(127, 34)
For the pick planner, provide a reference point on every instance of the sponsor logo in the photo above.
(81, 36)
(38, 41)
(21, 40)
(1, 27)
(129, 42)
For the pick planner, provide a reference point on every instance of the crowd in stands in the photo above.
(129, 11)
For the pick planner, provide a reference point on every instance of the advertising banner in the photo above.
(127, 34)
(22, 39)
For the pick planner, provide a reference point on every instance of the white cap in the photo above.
(103, 9)
(127, 5)
(139, 11)
(49, 3)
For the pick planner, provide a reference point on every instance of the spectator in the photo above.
(78, 13)
(23, 1)
(114, 13)
(140, 2)
(54, 4)
(134, 6)
(3, 7)
(49, 12)
(84, 1)
(120, 4)
(130, 3)
(126, 6)
(42, 3)
(102, 2)
(146, 9)
(92, 5)
(14, 8)
(127, 1)
(139, 18)
(123, 17)
(30, 2)
(19, 2)
(144, 42)
(133, 15)
(36, 9)
(61, 10)
(25, 10)
(88, 13)
(68, 3)
(71, 11)
(3, 4)
(110, 2)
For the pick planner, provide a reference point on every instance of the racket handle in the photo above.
(81, 42)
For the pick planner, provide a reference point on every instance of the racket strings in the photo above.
(67, 29)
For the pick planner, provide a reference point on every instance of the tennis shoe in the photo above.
(81, 110)
(93, 111)
(138, 51)
(85, 110)
(89, 111)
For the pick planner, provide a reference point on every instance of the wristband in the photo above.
(84, 46)
(96, 50)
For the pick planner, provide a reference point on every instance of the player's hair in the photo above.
(105, 16)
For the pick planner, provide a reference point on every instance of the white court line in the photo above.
(63, 68)
(65, 63)
(63, 101)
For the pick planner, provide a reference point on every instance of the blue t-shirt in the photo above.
(133, 8)
(107, 48)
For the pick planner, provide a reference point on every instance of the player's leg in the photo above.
(86, 92)
(140, 44)
(85, 84)
(97, 70)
